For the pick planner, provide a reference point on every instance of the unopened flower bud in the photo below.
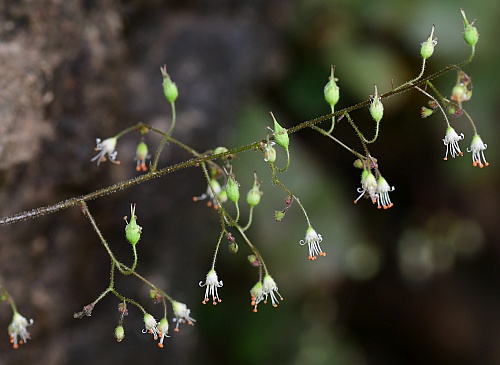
(376, 107)
(279, 215)
(332, 91)
(233, 190)
(471, 35)
(280, 134)
(169, 87)
(119, 333)
(358, 164)
(133, 230)
(427, 48)
(253, 260)
(232, 247)
(254, 194)
(426, 112)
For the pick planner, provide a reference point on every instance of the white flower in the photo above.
(18, 330)
(450, 140)
(214, 193)
(212, 283)
(383, 190)
(269, 288)
(313, 240)
(181, 313)
(162, 331)
(368, 186)
(151, 326)
(477, 147)
(106, 147)
(257, 295)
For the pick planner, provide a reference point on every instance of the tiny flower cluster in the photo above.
(262, 290)
(376, 189)
(159, 330)
(477, 147)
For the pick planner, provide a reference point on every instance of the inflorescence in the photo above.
(223, 189)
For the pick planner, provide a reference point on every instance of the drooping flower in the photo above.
(162, 331)
(18, 331)
(181, 313)
(313, 241)
(151, 326)
(107, 147)
(451, 140)
(212, 283)
(256, 295)
(368, 186)
(383, 190)
(269, 288)
(214, 193)
(477, 147)
(141, 155)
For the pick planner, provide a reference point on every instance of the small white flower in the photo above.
(106, 147)
(368, 186)
(212, 283)
(451, 140)
(257, 295)
(313, 241)
(151, 326)
(383, 190)
(162, 331)
(477, 147)
(214, 193)
(18, 331)
(181, 313)
(269, 288)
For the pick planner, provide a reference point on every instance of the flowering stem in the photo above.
(333, 121)
(250, 216)
(124, 269)
(253, 248)
(165, 139)
(438, 104)
(8, 298)
(196, 161)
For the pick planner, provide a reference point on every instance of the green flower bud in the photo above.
(232, 247)
(133, 230)
(376, 107)
(119, 333)
(279, 215)
(471, 35)
(280, 134)
(358, 164)
(169, 87)
(331, 90)
(253, 260)
(427, 48)
(254, 194)
(220, 150)
(426, 112)
(232, 190)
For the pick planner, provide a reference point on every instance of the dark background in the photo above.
(417, 284)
